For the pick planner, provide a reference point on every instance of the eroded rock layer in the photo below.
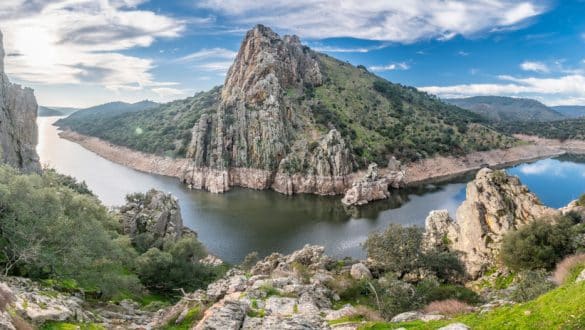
(18, 127)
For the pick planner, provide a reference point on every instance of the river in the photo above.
(233, 224)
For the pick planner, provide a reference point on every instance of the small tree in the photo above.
(397, 249)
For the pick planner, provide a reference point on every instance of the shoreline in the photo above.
(432, 170)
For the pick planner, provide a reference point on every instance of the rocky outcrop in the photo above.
(18, 127)
(154, 214)
(373, 186)
(256, 138)
(279, 292)
(27, 302)
(496, 203)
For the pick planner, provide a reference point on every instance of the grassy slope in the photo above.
(562, 129)
(383, 118)
(164, 130)
(561, 308)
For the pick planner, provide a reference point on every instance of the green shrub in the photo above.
(540, 244)
(249, 261)
(530, 285)
(581, 201)
(52, 228)
(399, 250)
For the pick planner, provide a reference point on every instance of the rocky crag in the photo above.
(495, 204)
(18, 127)
(254, 138)
(373, 186)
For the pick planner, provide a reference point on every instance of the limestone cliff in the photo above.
(255, 138)
(495, 204)
(18, 127)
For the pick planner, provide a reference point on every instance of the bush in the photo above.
(540, 244)
(581, 201)
(566, 268)
(176, 266)
(399, 250)
(447, 307)
(250, 261)
(397, 297)
(430, 290)
(531, 284)
(50, 227)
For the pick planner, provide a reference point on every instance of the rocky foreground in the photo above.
(296, 291)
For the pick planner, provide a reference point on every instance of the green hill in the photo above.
(500, 109)
(286, 108)
(55, 111)
(571, 111)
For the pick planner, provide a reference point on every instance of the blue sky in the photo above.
(85, 52)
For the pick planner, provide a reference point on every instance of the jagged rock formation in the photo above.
(283, 292)
(18, 127)
(495, 204)
(373, 187)
(154, 214)
(251, 140)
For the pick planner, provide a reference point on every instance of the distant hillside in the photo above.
(87, 118)
(571, 111)
(55, 111)
(500, 109)
(301, 112)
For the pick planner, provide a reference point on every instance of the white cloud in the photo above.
(462, 53)
(63, 42)
(334, 49)
(213, 53)
(535, 66)
(166, 92)
(390, 67)
(566, 89)
(398, 20)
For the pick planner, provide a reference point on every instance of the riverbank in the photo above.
(430, 170)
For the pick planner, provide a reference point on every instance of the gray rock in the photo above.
(18, 126)
(455, 326)
(228, 315)
(406, 317)
(281, 306)
(359, 271)
(581, 277)
(157, 215)
(372, 186)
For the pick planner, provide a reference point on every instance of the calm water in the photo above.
(233, 224)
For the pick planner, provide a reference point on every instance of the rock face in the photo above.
(373, 187)
(255, 138)
(154, 214)
(18, 127)
(279, 292)
(495, 204)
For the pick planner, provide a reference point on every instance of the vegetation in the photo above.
(567, 268)
(561, 129)
(49, 230)
(53, 229)
(542, 243)
(399, 250)
(163, 130)
(561, 308)
(506, 109)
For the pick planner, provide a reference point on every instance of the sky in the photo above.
(86, 52)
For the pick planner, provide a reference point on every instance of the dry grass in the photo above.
(20, 324)
(368, 314)
(447, 307)
(566, 266)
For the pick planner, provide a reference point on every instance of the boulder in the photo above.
(406, 317)
(359, 271)
(226, 315)
(581, 277)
